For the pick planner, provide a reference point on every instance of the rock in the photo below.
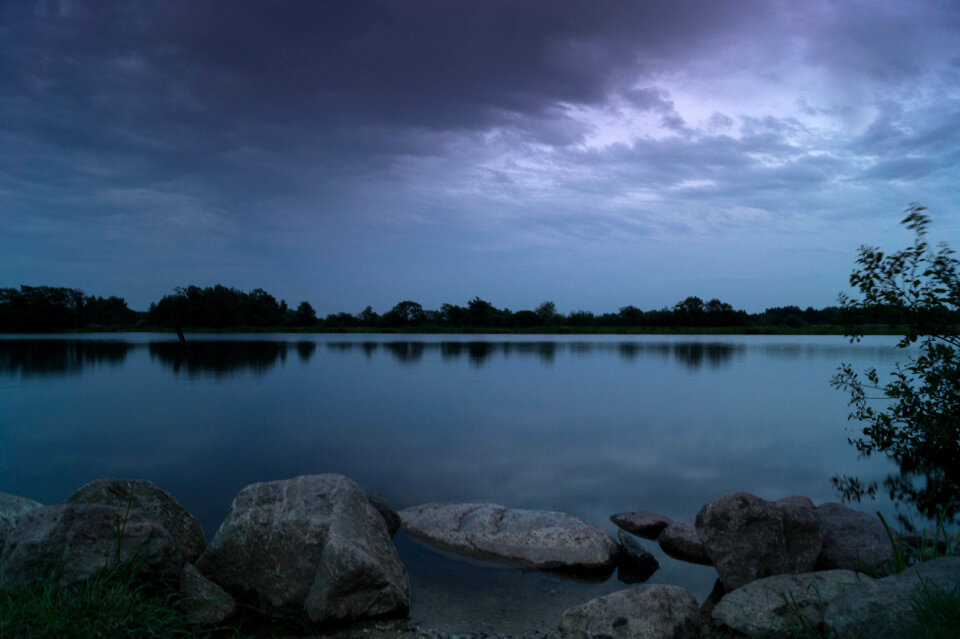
(642, 612)
(204, 601)
(874, 608)
(12, 508)
(641, 523)
(145, 495)
(385, 508)
(527, 539)
(680, 541)
(748, 538)
(796, 500)
(81, 539)
(773, 605)
(312, 546)
(853, 540)
(636, 564)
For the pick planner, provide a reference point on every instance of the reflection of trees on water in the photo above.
(690, 354)
(58, 357)
(223, 357)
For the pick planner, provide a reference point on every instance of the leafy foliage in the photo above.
(915, 419)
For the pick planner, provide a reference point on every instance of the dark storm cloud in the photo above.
(245, 139)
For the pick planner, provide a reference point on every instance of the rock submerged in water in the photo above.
(748, 538)
(312, 546)
(642, 612)
(680, 541)
(636, 563)
(641, 522)
(526, 539)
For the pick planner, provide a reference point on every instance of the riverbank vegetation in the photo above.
(44, 309)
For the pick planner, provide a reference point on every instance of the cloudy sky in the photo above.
(596, 154)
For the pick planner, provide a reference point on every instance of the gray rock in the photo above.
(527, 539)
(204, 601)
(385, 508)
(641, 522)
(145, 495)
(680, 541)
(12, 508)
(875, 608)
(796, 500)
(748, 538)
(636, 563)
(642, 612)
(853, 540)
(773, 605)
(312, 546)
(81, 539)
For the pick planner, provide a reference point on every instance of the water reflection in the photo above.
(692, 355)
(222, 358)
(58, 357)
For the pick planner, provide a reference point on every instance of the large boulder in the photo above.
(145, 495)
(636, 563)
(642, 612)
(76, 541)
(312, 546)
(641, 522)
(748, 538)
(527, 539)
(875, 608)
(385, 508)
(853, 540)
(680, 541)
(12, 508)
(772, 606)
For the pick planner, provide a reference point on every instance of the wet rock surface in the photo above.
(526, 539)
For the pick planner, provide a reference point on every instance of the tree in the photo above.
(916, 418)
(547, 312)
(304, 315)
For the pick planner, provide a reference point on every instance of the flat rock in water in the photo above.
(636, 563)
(643, 612)
(80, 539)
(145, 495)
(748, 538)
(772, 605)
(526, 539)
(680, 541)
(641, 522)
(313, 547)
(12, 508)
(853, 540)
(875, 608)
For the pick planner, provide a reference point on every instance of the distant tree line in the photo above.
(44, 309)
(51, 309)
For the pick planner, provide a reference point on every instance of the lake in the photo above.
(590, 425)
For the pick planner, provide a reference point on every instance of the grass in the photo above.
(107, 605)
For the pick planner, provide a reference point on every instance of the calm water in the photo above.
(590, 425)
